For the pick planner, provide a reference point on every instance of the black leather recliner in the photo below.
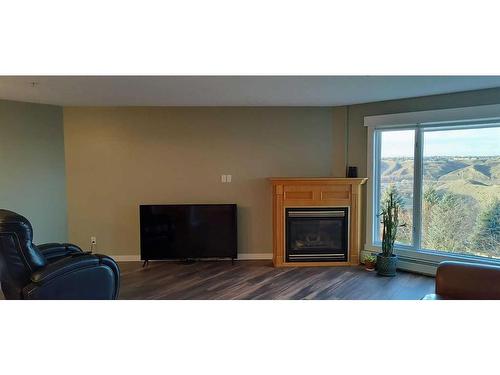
(50, 271)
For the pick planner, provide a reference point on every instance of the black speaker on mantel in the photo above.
(352, 172)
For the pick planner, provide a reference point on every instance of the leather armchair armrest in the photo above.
(52, 251)
(63, 266)
(83, 276)
(461, 280)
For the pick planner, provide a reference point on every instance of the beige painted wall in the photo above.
(118, 158)
(32, 178)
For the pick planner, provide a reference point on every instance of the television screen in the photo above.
(188, 231)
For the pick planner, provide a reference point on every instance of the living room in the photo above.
(120, 157)
(185, 193)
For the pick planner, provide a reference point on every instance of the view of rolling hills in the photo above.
(460, 195)
(475, 177)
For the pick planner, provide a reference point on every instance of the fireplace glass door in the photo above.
(316, 234)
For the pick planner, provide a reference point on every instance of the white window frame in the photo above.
(420, 122)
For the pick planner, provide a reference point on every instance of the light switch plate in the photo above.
(229, 178)
(223, 178)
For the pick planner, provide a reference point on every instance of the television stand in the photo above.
(146, 262)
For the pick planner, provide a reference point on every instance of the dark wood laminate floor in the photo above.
(259, 280)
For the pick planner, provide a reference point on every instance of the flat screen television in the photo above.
(188, 231)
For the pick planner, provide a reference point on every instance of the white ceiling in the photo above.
(231, 90)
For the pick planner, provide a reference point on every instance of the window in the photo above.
(449, 181)
(461, 191)
(396, 168)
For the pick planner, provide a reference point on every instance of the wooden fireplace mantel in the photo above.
(316, 192)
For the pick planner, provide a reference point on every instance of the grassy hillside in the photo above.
(474, 177)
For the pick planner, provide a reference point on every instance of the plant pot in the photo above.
(386, 266)
(369, 266)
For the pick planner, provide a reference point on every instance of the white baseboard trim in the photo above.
(241, 256)
(126, 258)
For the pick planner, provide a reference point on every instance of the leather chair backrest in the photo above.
(19, 257)
(462, 280)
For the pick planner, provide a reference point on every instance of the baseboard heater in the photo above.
(424, 267)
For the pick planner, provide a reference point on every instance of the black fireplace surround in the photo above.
(317, 234)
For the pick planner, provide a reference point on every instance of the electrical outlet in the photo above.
(93, 240)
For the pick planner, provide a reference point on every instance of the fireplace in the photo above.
(316, 221)
(317, 234)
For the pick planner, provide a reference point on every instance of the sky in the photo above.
(469, 142)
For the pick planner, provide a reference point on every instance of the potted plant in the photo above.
(370, 261)
(391, 205)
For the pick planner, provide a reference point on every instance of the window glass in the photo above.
(461, 191)
(396, 171)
